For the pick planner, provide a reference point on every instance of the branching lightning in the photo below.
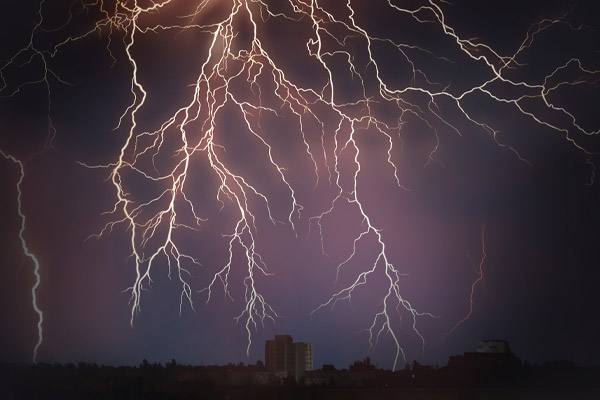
(240, 72)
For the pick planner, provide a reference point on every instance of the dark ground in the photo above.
(233, 382)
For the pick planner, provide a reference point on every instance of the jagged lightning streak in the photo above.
(238, 72)
(233, 186)
(479, 271)
(29, 254)
(29, 53)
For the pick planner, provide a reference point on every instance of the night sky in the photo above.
(528, 179)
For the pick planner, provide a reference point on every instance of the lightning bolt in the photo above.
(479, 271)
(29, 254)
(241, 74)
(24, 57)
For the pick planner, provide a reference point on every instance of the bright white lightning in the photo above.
(29, 254)
(227, 65)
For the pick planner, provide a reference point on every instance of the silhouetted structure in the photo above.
(493, 346)
(489, 354)
(555, 380)
(304, 359)
(286, 359)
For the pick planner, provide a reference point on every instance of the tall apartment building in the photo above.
(286, 359)
(304, 359)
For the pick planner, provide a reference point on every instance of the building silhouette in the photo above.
(493, 357)
(493, 346)
(286, 359)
